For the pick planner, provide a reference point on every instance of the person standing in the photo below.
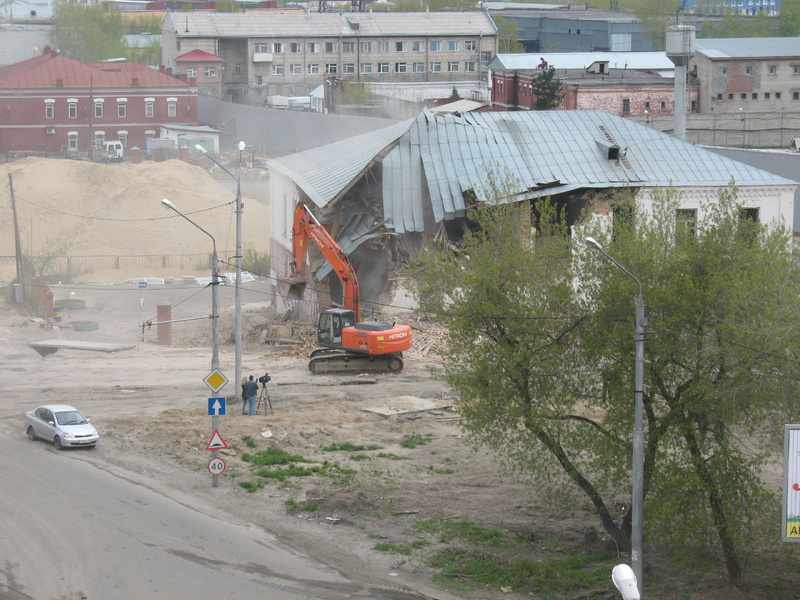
(244, 396)
(250, 392)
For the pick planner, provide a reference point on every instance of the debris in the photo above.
(266, 434)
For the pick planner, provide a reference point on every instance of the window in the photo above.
(98, 110)
(312, 69)
(748, 70)
(469, 45)
(795, 95)
(724, 70)
(191, 72)
(313, 47)
(730, 96)
(260, 48)
(417, 46)
(766, 95)
(330, 47)
(49, 109)
(122, 108)
(383, 46)
(149, 111)
(436, 46)
(237, 68)
(73, 110)
(719, 96)
(777, 95)
(400, 68)
(626, 106)
(348, 68)
(332, 68)
(755, 96)
(383, 67)
(469, 66)
(436, 67)
(122, 136)
(743, 96)
(296, 69)
(747, 231)
(401, 46)
(795, 70)
(348, 47)
(277, 69)
(277, 48)
(366, 46)
(295, 47)
(99, 138)
(646, 107)
(452, 67)
(261, 80)
(172, 108)
(486, 56)
(773, 70)
(452, 46)
(72, 140)
(211, 72)
(419, 67)
(663, 107)
(685, 222)
(366, 68)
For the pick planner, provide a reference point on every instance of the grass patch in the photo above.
(360, 457)
(347, 447)
(464, 530)
(274, 456)
(404, 549)
(251, 486)
(412, 441)
(439, 471)
(274, 463)
(248, 441)
(565, 578)
(391, 456)
(293, 506)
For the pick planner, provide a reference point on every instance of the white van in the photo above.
(113, 151)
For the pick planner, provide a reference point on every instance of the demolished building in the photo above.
(382, 194)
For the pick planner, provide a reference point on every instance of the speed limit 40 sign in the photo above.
(216, 466)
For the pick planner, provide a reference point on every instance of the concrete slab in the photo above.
(406, 404)
(50, 346)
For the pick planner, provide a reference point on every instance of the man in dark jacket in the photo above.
(251, 392)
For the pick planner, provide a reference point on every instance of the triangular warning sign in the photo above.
(216, 442)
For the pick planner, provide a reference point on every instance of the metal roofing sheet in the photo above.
(582, 60)
(786, 47)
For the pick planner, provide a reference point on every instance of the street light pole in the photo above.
(214, 318)
(237, 333)
(637, 502)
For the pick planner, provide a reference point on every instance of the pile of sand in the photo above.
(89, 209)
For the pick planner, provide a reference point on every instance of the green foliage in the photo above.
(292, 506)
(507, 36)
(348, 447)
(46, 262)
(248, 441)
(540, 352)
(740, 26)
(455, 94)
(354, 92)
(273, 456)
(87, 32)
(414, 440)
(251, 486)
(789, 22)
(228, 6)
(255, 262)
(548, 90)
(447, 531)
(433, 5)
(404, 549)
(391, 456)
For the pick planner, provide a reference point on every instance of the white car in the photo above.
(61, 424)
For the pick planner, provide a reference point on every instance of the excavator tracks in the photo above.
(332, 360)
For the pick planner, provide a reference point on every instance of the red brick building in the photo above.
(202, 69)
(51, 103)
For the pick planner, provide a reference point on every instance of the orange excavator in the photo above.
(346, 342)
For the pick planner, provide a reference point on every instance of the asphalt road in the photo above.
(72, 531)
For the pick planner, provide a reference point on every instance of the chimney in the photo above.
(59, 82)
(134, 81)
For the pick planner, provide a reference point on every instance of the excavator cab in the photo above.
(330, 325)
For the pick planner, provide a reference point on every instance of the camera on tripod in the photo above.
(264, 379)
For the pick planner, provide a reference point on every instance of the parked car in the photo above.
(61, 424)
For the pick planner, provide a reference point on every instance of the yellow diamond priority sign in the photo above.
(215, 380)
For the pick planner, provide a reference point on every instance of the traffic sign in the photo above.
(216, 466)
(215, 380)
(216, 442)
(141, 302)
(142, 285)
(217, 406)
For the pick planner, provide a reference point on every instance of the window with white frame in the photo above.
(436, 46)
(313, 47)
(452, 67)
(400, 68)
(452, 45)
(366, 46)
(277, 47)
(469, 45)
(211, 72)
(122, 136)
(773, 70)
(348, 47)
(469, 66)
(295, 47)
(72, 140)
(486, 56)
(383, 67)
(260, 80)
(73, 109)
(49, 109)
(400, 46)
(436, 67)
(418, 46)
(261, 48)
(149, 108)
(332, 68)
(419, 67)
(366, 68)
(312, 69)
(172, 107)
(277, 69)
(330, 47)
(296, 69)
(99, 138)
(383, 46)
(348, 68)
(122, 107)
(191, 72)
(685, 222)
(98, 108)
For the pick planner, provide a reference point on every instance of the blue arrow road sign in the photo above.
(216, 407)
(142, 285)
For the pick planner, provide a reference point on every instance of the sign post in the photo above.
(216, 407)
(791, 484)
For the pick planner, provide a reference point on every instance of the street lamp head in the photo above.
(625, 581)
(242, 146)
(168, 204)
(593, 243)
(200, 149)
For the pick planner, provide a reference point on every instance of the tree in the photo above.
(87, 32)
(548, 90)
(540, 347)
(507, 36)
(789, 25)
(228, 6)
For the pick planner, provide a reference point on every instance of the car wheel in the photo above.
(31, 434)
(57, 443)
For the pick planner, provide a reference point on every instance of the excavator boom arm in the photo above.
(305, 228)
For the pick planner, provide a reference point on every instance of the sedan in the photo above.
(61, 424)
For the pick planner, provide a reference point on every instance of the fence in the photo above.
(65, 268)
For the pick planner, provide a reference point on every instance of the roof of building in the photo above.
(775, 47)
(382, 24)
(199, 56)
(641, 61)
(548, 153)
(53, 70)
(578, 12)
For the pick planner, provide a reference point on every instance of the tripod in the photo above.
(264, 395)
